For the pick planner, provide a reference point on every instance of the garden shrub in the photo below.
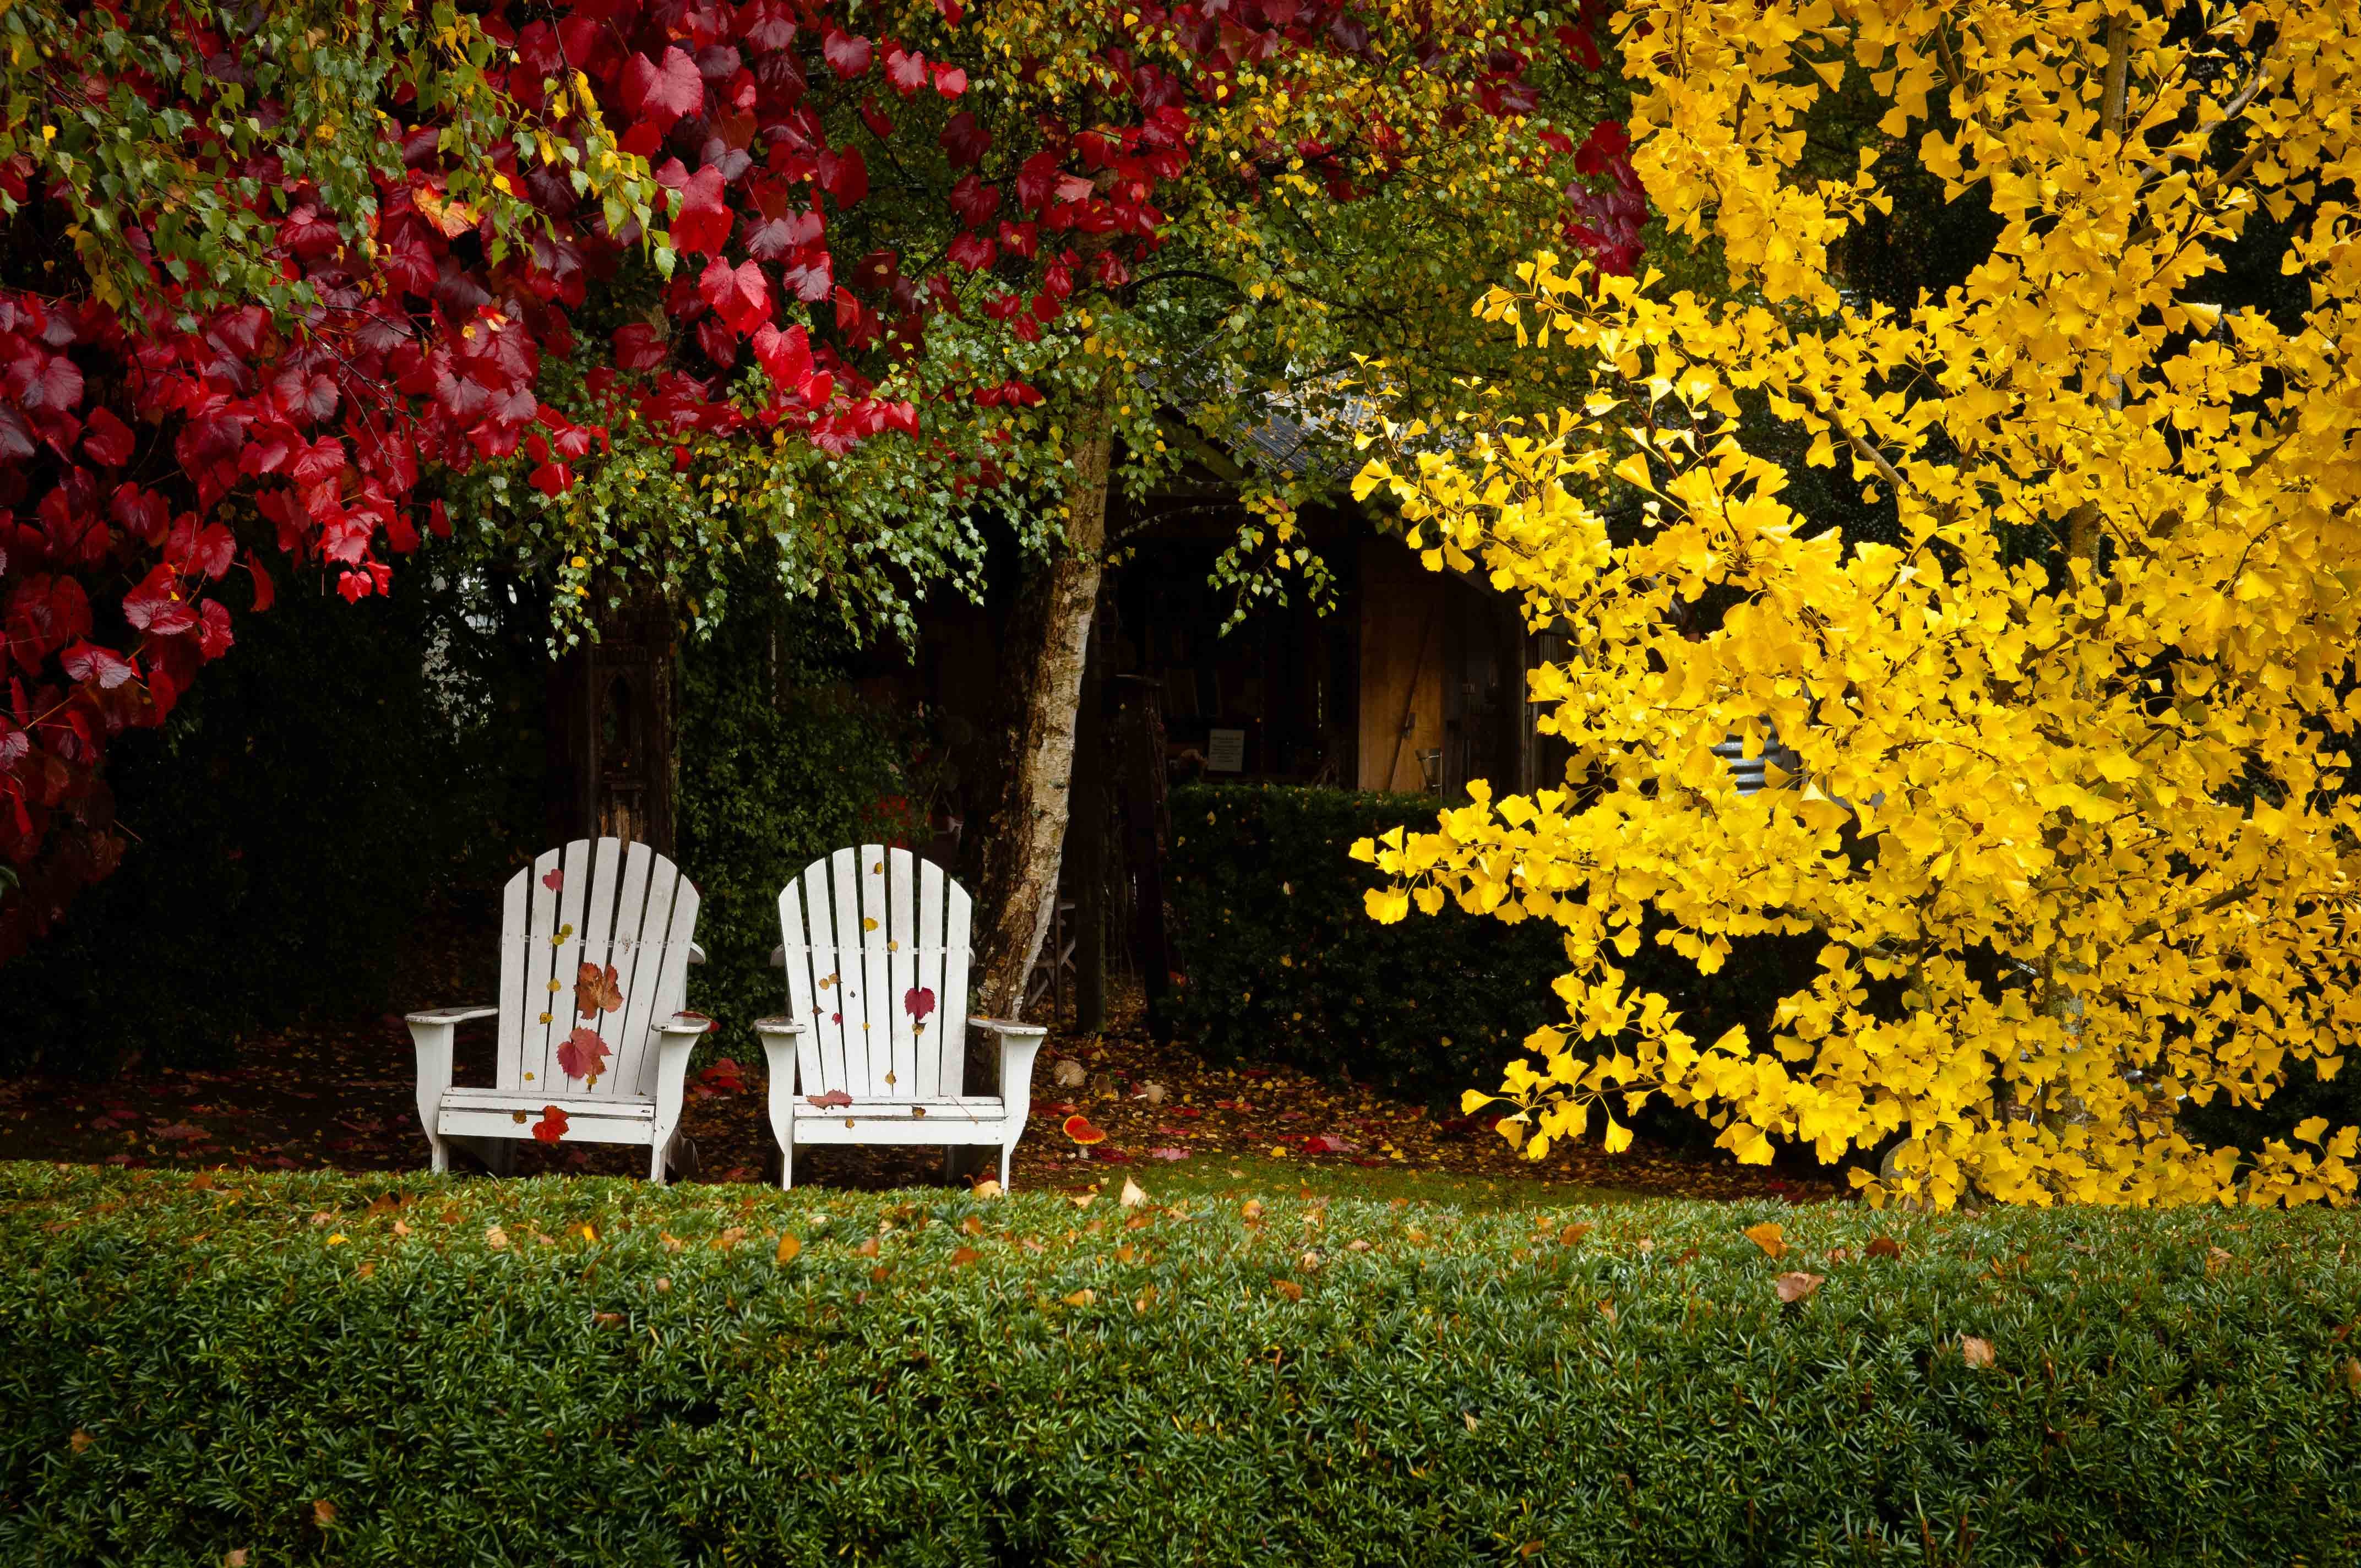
(777, 768)
(1283, 962)
(328, 1369)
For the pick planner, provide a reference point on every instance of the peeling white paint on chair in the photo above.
(873, 1047)
(595, 948)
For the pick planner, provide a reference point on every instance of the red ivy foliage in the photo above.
(147, 463)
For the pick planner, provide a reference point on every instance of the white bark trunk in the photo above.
(1043, 659)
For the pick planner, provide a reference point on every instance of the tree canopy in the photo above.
(624, 289)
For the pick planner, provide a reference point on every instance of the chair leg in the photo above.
(657, 1161)
(1005, 1150)
(786, 1164)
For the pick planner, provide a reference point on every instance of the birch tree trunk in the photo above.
(1042, 660)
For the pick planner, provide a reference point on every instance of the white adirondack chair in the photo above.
(595, 937)
(874, 1049)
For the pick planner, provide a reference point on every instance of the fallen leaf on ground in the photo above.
(1572, 1234)
(965, 1257)
(1769, 1237)
(1134, 1195)
(790, 1244)
(1082, 1298)
(1799, 1286)
(1884, 1246)
(496, 1238)
(1974, 1351)
(1168, 1153)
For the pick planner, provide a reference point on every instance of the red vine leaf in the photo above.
(551, 1126)
(739, 295)
(663, 92)
(847, 53)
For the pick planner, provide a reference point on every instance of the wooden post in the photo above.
(1086, 836)
(611, 729)
(1139, 752)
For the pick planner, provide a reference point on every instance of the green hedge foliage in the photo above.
(1284, 963)
(287, 825)
(595, 1371)
(776, 770)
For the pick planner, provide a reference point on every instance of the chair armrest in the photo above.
(685, 1023)
(1020, 1044)
(779, 956)
(777, 1027)
(448, 1014)
(1009, 1028)
(696, 954)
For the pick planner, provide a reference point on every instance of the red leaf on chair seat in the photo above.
(551, 1126)
(918, 1000)
(833, 1099)
(554, 879)
(584, 1054)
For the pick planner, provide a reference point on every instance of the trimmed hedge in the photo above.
(270, 1365)
(1284, 963)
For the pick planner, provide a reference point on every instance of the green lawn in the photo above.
(1259, 1175)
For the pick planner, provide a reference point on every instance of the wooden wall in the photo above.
(1401, 637)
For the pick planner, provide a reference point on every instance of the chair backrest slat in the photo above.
(516, 928)
(877, 979)
(901, 934)
(851, 983)
(885, 925)
(616, 904)
(952, 1005)
(801, 1007)
(640, 922)
(927, 975)
(818, 942)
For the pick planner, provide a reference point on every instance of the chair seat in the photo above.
(949, 1119)
(952, 1106)
(590, 1118)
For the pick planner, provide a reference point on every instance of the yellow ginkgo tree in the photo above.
(2061, 769)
